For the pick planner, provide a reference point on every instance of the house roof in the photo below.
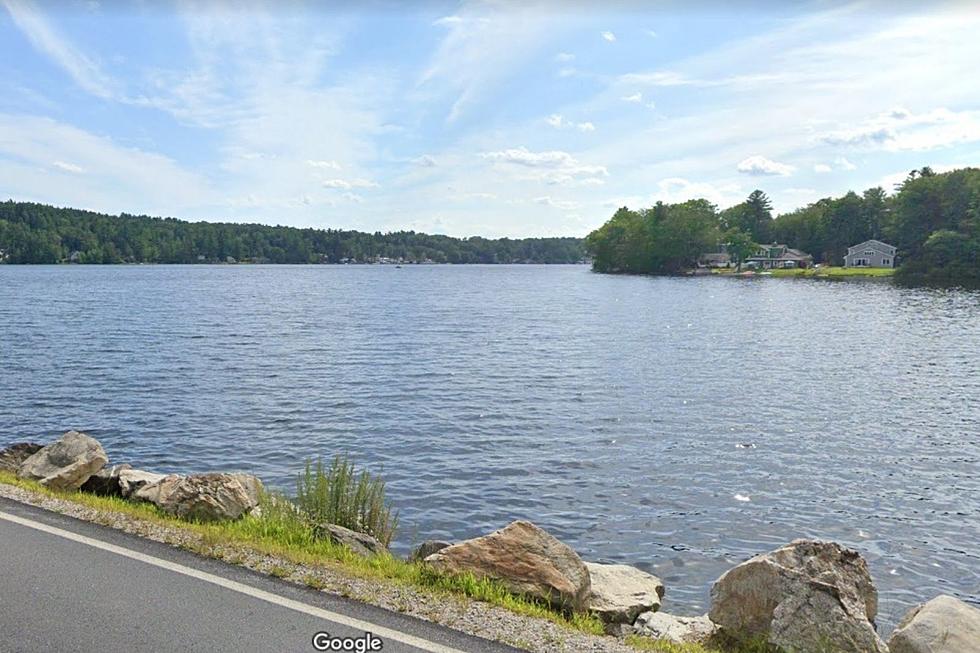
(876, 244)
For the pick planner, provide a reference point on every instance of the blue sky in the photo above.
(475, 118)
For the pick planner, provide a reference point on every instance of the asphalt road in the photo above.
(68, 585)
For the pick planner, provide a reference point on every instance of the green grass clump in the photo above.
(339, 495)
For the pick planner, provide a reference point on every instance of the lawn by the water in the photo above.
(835, 272)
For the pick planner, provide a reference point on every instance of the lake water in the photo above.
(680, 425)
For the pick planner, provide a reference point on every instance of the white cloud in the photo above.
(83, 70)
(636, 98)
(652, 34)
(555, 159)
(844, 164)
(822, 168)
(331, 165)
(348, 184)
(761, 166)
(609, 36)
(899, 129)
(68, 167)
(425, 161)
(564, 205)
(564, 57)
(558, 121)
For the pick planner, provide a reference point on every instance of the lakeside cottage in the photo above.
(777, 256)
(870, 254)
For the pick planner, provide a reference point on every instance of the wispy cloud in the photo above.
(48, 41)
(609, 37)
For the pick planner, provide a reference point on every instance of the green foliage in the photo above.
(665, 239)
(339, 495)
(37, 233)
(932, 219)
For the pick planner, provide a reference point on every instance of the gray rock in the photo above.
(105, 482)
(12, 457)
(803, 596)
(201, 497)
(132, 480)
(360, 543)
(523, 558)
(427, 548)
(620, 592)
(682, 630)
(942, 625)
(66, 463)
(252, 486)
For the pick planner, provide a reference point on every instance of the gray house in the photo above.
(870, 254)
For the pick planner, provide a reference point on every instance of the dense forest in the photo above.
(933, 219)
(37, 233)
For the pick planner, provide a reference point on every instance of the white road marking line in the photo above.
(241, 588)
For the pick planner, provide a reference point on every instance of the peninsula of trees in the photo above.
(933, 219)
(37, 233)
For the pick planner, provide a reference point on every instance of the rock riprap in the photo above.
(620, 592)
(800, 597)
(133, 480)
(526, 560)
(66, 463)
(682, 630)
(105, 482)
(942, 625)
(204, 497)
(360, 543)
(12, 457)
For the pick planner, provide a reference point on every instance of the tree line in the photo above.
(38, 233)
(932, 219)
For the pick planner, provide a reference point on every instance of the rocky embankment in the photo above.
(805, 596)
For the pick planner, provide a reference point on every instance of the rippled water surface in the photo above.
(680, 425)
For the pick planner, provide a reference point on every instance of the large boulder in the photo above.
(620, 592)
(132, 480)
(942, 625)
(202, 497)
(681, 630)
(12, 457)
(523, 558)
(105, 482)
(66, 463)
(802, 596)
(360, 543)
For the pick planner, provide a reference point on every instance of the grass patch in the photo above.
(641, 643)
(835, 272)
(283, 532)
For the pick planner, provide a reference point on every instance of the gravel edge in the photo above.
(456, 612)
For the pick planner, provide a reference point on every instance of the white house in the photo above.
(870, 254)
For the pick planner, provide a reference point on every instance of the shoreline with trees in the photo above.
(39, 233)
(933, 219)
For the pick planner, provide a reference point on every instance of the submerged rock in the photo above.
(523, 558)
(682, 630)
(204, 497)
(12, 457)
(942, 625)
(66, 463)
(802, 596)
(360, 543)
(620, 592)
(105, 482)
